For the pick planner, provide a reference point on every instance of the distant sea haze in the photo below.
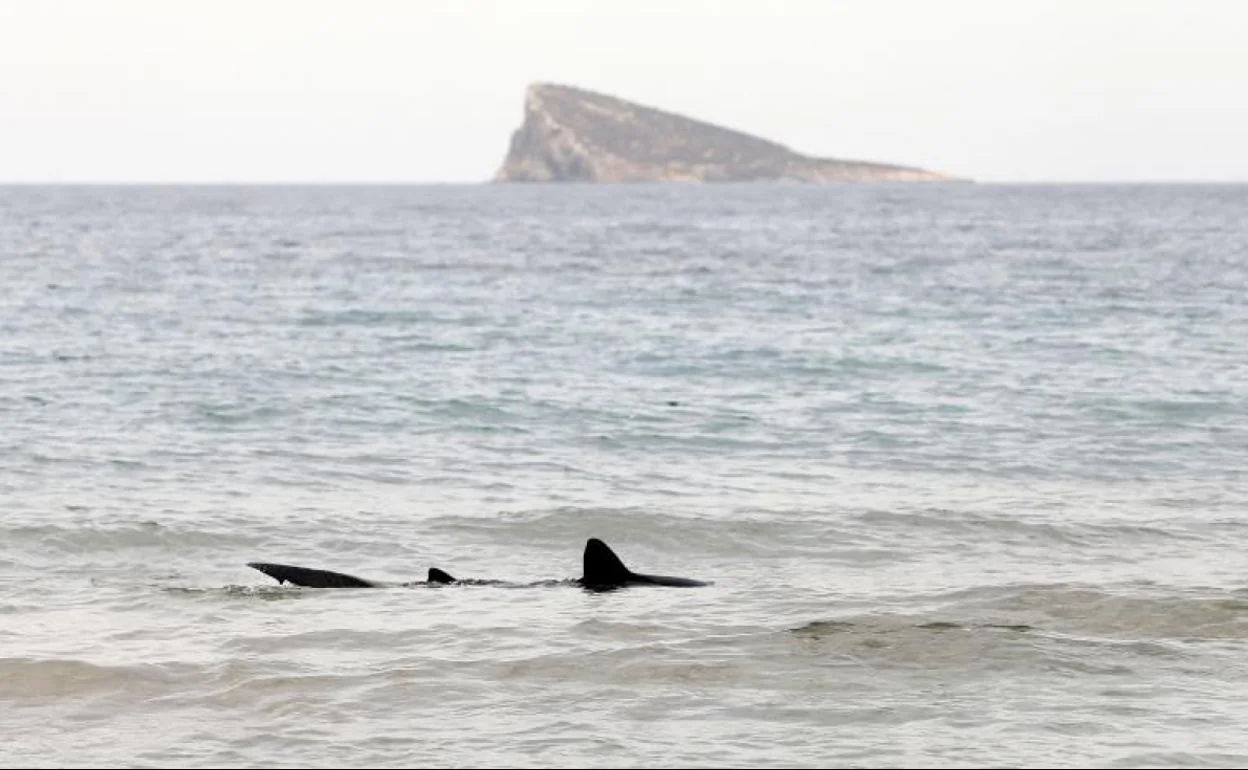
(962, 466)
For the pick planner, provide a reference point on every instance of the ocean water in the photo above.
(965, 466)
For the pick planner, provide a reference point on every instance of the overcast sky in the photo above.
(430, 90)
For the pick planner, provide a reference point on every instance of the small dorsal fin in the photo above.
(438, 576)
(601, 566)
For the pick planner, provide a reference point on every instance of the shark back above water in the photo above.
(601, 570)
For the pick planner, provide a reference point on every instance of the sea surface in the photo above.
(966, 466)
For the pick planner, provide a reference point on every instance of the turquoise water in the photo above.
(965, 464)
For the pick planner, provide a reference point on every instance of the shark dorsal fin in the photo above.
(601, 566)
(438, 576)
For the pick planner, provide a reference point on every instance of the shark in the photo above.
(601, 570)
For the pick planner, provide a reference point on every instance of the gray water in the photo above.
(964, 464)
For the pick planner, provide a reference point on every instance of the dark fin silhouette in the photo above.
(603, 570)
(438, 576)
(309, 578)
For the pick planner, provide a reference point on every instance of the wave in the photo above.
(36, 678)
(91, 538)
(1133, 613)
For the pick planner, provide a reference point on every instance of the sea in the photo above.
(964, 466)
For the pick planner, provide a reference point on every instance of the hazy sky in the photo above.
(430, 90)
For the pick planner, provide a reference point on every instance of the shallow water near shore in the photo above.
(963, 464)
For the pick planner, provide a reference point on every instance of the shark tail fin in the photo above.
(309, 578)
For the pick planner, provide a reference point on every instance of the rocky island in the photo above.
(574, 135)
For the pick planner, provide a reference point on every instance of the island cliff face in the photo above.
(573, 135)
